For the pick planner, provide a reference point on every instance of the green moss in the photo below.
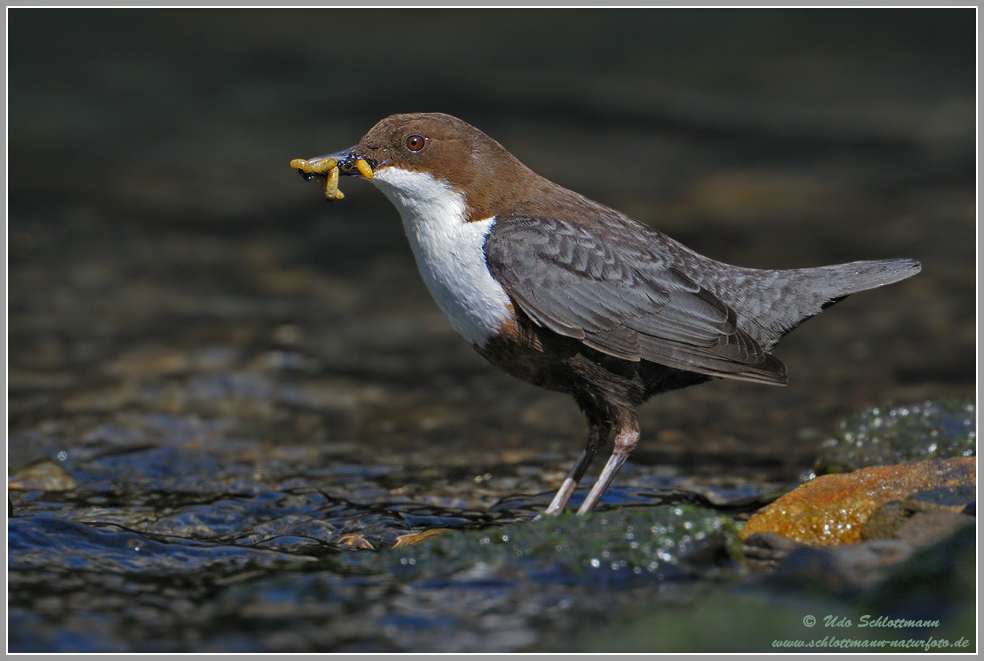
(665, 541)
(884, 436)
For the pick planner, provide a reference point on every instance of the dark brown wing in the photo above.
(614, 290)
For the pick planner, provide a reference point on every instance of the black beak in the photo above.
(346, 160)
(326, 169)
(346, 163)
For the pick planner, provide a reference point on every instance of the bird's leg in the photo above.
(597, 436)
(625, 441)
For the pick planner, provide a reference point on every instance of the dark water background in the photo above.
(206, 357)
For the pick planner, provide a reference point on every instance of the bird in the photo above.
(573, 296)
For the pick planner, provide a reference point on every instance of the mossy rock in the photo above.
(889, 435)
(661, 542)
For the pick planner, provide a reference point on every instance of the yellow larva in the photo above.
(325, 173)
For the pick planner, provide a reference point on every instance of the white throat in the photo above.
(449, 251)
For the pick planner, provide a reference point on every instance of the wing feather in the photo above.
(614, 290)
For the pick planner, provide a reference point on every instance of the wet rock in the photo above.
(924, 538)
(924, 528)
(937, 580)
(866, 563)
(948, 499)
(43, 476)
(812, 571)
(885, 522)
(888, 585)
(832, 509)
(883, 436)
(764, 550)
(661, 542)
(877, 572)
(922, 517)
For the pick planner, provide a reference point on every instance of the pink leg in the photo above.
(597, 436)
(625, 442)
(570, 482)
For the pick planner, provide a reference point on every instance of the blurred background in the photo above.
(175, 288)
(152, 212)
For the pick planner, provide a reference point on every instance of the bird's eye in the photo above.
(416, 143)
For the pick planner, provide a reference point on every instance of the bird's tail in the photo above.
(835, 282)
(808, 291)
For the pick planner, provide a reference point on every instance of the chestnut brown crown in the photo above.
(491, 179)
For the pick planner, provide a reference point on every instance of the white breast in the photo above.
(450, 251)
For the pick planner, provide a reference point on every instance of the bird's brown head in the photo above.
(455, 154)
(441, 145)
(451, 151)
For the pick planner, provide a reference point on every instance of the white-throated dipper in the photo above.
(573, 296)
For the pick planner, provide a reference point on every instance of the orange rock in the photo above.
(832, 509)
